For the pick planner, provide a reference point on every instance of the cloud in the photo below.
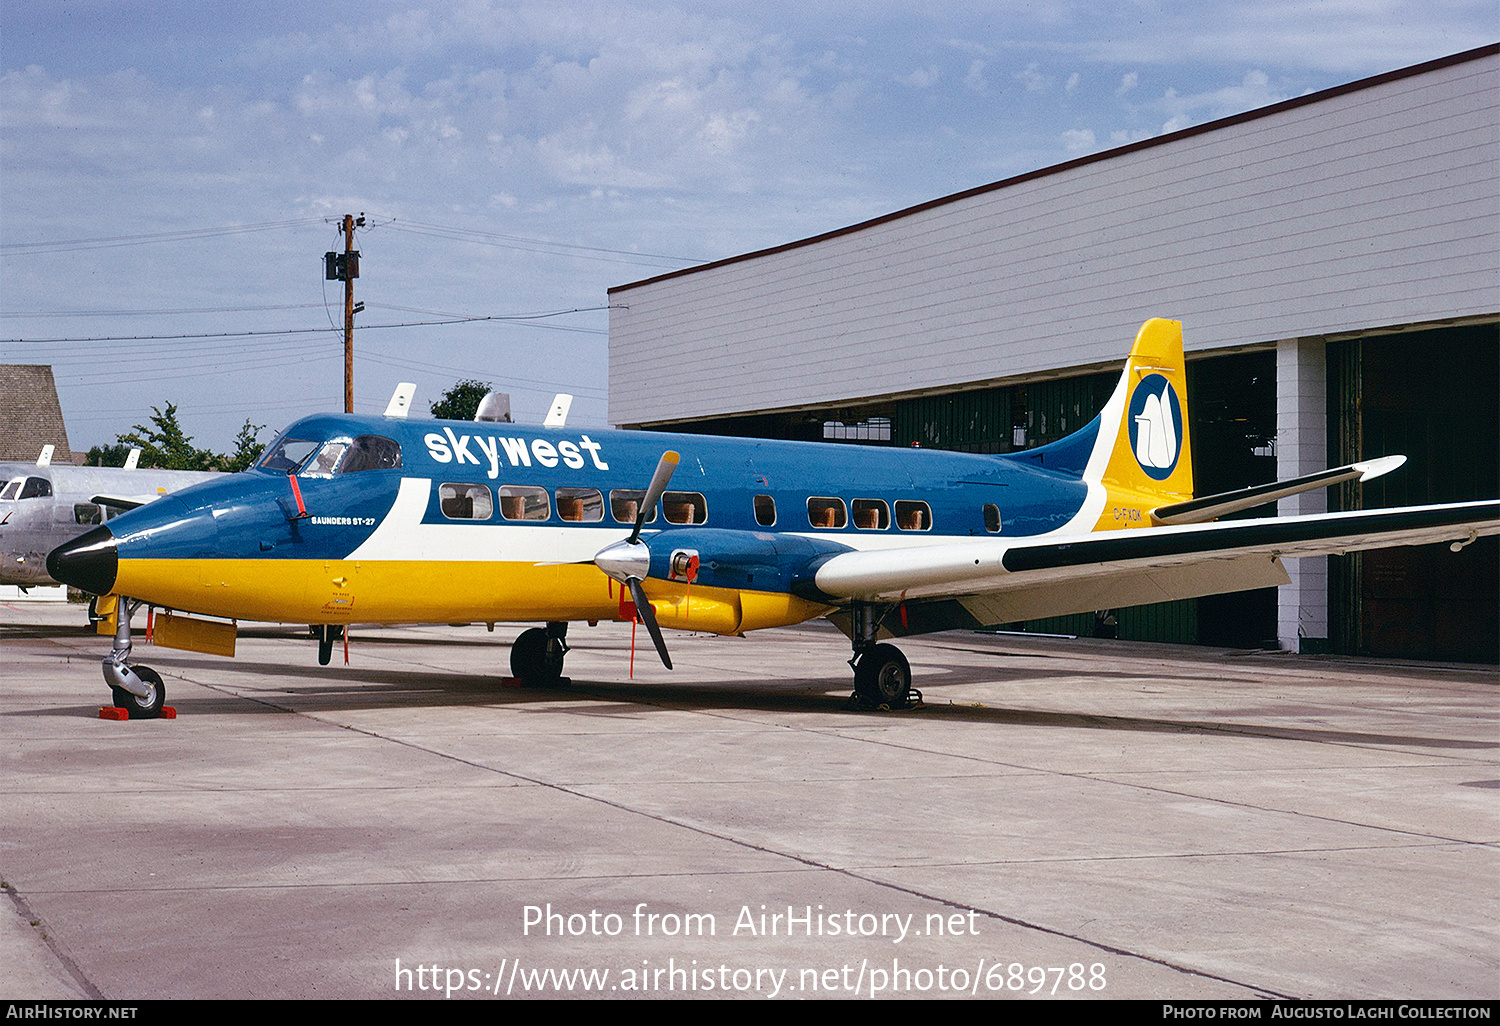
(1127, 83)
(1078, 141)
(1253, 91)
(921, 78)
(1032, 78)
(974, 80)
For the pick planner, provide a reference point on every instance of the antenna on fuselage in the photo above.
(494, 408)
(557, 416)
(400, 400)
(133, 460)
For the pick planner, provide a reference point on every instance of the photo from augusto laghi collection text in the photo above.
(701, 969)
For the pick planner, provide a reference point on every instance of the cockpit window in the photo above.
(342, 455)
(286, 454)
(36, 488)
(12, 488)
(326, 462)
(352, 455)
(371, 452)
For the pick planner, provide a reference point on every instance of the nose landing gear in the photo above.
(136, 689)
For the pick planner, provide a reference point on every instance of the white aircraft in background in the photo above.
(42, 506)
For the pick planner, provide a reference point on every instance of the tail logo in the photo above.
(1156, 426)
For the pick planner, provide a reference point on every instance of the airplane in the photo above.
(383, 519)
(42, 506)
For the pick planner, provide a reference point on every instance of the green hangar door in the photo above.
(1434, 396)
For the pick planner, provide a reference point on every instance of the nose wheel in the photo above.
(142, 707)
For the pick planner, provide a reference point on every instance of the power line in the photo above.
(114, 241)
(531, 245)
(159, 313)
(506, 318)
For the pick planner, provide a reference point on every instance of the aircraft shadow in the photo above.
(336, 688)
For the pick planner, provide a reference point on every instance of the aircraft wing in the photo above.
(999, 581)
(122, 502)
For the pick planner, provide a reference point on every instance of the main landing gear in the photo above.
(136, 689)
(536, 656)
(882, 676)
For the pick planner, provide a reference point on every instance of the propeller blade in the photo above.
(647, 615)
(665, 468)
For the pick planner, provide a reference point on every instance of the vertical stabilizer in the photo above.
(1142, 457)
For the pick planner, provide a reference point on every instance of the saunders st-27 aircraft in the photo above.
(389, 520)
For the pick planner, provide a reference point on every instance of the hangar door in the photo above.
(1435, 397)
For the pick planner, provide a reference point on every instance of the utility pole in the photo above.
(345, 267)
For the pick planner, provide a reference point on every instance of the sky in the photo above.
(171, 173)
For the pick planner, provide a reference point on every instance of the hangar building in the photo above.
(1334, 259)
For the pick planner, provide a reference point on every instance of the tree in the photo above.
(165, 445)
(107, 456)
(461, 401)
(246, 449)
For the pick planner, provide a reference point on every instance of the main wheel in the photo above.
(883, 677)
(536, 658)
(148, 708)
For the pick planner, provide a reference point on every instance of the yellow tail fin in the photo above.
(1148, 462)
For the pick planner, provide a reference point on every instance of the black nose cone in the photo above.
(88, 562)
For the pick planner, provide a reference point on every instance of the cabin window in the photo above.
(524, 502)
(87, 513)
(912, 515)
(580, 505)
(36, 488)
(625, 502)
(765, 510)
(465, 501)
(991, 518)
(685, 507)
(826, 512)
(871, 514)
(371, 452)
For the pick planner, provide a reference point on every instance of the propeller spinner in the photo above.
(629, 561)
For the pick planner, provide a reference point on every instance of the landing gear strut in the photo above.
(882, 676)
(136, 689)
(536, 656)
(327, 634)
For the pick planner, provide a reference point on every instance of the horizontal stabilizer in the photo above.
(1211, 507)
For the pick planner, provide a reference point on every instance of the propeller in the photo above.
(629, 561)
